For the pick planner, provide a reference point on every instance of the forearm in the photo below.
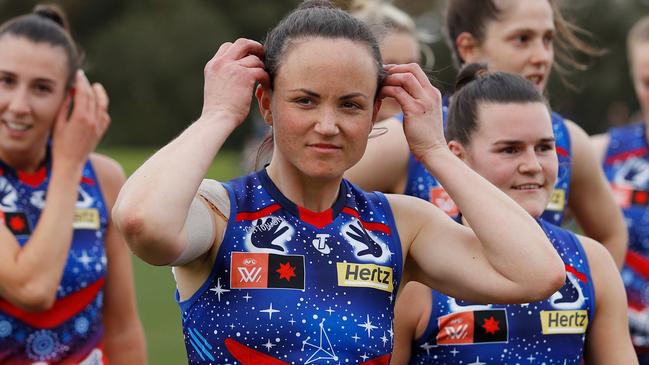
(36, 268)
(152, 206)
(127, 345)
(510, 237)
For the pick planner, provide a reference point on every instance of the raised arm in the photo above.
(607, 340)
(152, 207)
(506, 257)
(30, 275)
(591, 199)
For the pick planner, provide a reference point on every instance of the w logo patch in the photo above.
(254, 270)
(480, 326)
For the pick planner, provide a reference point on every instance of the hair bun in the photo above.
(53, 13)
(307, 4)
(470, 72)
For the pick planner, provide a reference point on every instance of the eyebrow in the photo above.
(39, 79)
(513, 141)
(316, 95)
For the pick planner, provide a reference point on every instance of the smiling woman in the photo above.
(59, 301)
(294, 250)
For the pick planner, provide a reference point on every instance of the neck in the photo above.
(313, 193)
(27, 161)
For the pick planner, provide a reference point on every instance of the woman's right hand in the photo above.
(230, 78)
(76, 136)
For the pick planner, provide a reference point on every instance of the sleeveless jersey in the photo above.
(546, 332)
(420, 183)
(71, 331)
(291, 286)
(626, 166)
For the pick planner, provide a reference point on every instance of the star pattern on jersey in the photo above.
(368, 326)
(218, 289)
(286, 271)
(270, 311)
(491, 325)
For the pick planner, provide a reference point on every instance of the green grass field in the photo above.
(155, 287)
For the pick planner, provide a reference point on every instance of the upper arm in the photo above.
(445, 255)
(384, 166)
(600, 145)
(591, 198)
(608, 340)
(411, 315)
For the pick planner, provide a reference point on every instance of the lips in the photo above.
(536, 79)
(15, 126)
(528, 186)
(324, 146)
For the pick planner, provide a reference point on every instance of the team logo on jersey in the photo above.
(564, 322)
(557, 200)
(365, 276)
(320, 243)
(470, 327)
(84, 200)
(570, 296)
(86, 219)
(8, 196)
(633, 172)
(37, 199)
(16, 222)
(367, 246)
(458, 305)
(443, 201)
(250, 270)
(269, 234)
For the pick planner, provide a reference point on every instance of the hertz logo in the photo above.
(365, 276)
(563, 322)
(557, 200)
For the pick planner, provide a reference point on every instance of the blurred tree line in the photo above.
(150, 56)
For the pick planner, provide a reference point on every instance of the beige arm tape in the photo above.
(200, 226)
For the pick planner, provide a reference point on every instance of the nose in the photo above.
(530, 163)
(18, 102)
(542, 53)
(327, 123)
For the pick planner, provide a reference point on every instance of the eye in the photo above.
(545, 147)
(351, 105)
(522, 39)
(304, 101)
(509, 150)
(43, 88)
(7, 80)
(548, 39)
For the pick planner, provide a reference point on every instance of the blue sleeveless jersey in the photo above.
(71, 331)
(546, 332)
(422, 184)
(626, 166)
(291, 286)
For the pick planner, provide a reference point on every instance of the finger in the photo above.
(84, 97)
(396, 92)
(101, 96)
(408, 82)
(413, 69)
(243, 47)
(222, 49)
(251, 61)
(62, 116)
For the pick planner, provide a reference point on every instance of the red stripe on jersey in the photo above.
(381, 360)
(638, 263)
(562, 152)
(88, 181)
(317, 219)
(33, 179)
(624, 155)
(247, 356)
(370, 226)
(251, 216)
(63, 309)
(579, 275)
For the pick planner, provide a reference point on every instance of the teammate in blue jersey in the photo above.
(624, 152)
(293, 264)
(513, 36)
(499, 125)
(66, 291)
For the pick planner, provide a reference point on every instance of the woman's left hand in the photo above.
(421, 103)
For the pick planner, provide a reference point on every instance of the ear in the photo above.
(457, 149)
(377, 108)
(468, 47)
(264, 97)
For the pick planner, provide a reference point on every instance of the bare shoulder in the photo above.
(599, 258)
(110, 173)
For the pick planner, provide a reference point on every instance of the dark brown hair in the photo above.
(476, 85)
(46, 24)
